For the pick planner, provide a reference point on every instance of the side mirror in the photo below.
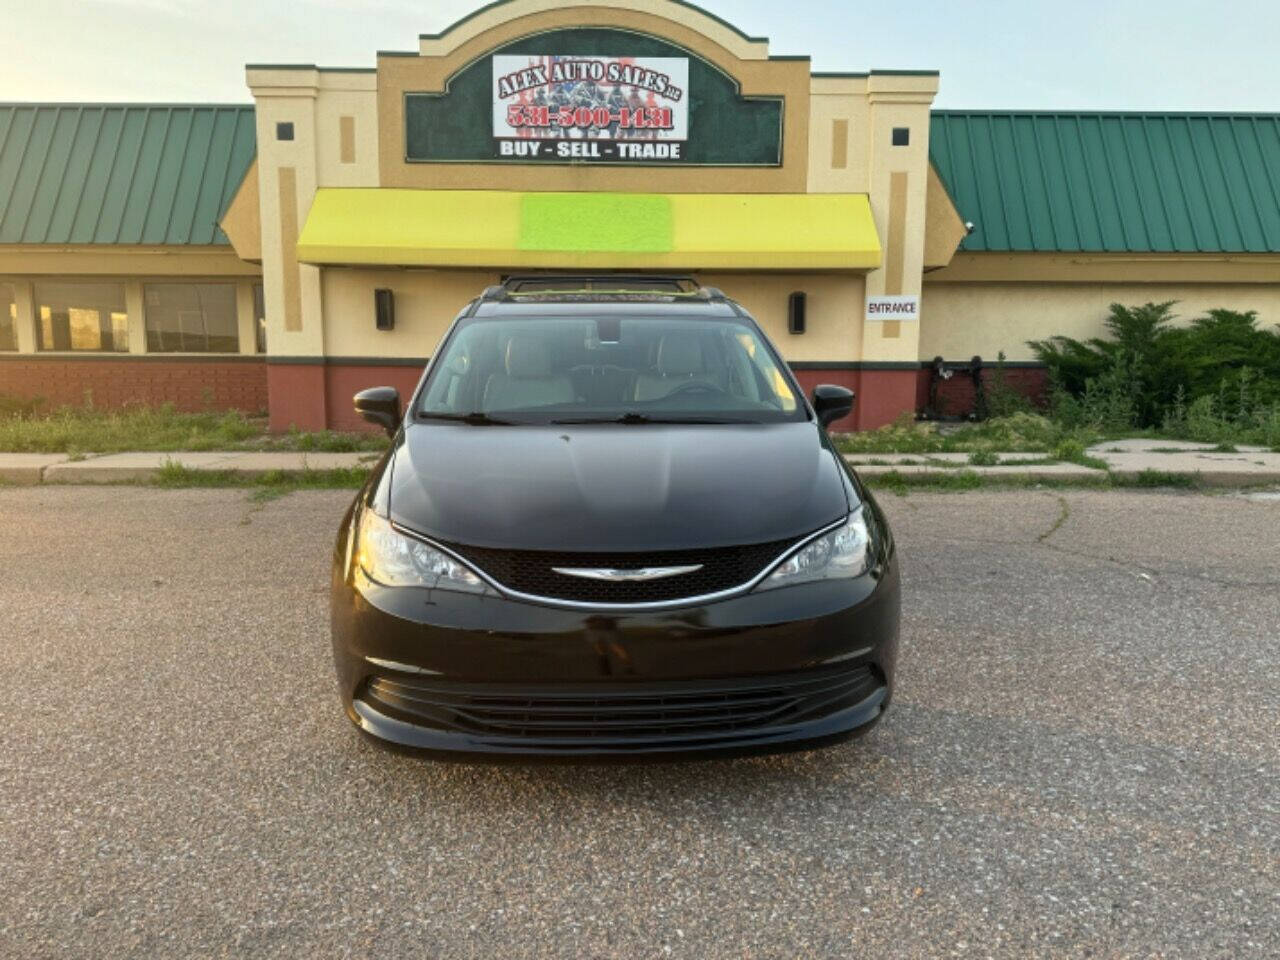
(380, 405)
(831, 403)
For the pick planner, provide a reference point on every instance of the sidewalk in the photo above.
(1125, 459)
(34, 468)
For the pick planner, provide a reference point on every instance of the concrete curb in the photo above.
(1047, 472)
(1260, 469)
(1127, 462)
(31, 469)
(1207, 477)
(27, 469)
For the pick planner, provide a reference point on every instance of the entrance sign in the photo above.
(593, 95)
(893, 308)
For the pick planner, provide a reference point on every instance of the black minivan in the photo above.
(610, 525)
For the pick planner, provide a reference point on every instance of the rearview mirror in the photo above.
(831, 403)
(380, 405)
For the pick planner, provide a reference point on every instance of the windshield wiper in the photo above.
(637, 418)
(475, 418)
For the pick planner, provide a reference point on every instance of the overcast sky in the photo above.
(1023, 54)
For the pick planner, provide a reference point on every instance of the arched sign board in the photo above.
(593, 96)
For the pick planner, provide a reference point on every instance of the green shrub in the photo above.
(1203, 423)
(1004, 400)
(1224, 354)
(1128, 374)
(1111, 400)
(1151, 374)
(1069, 449)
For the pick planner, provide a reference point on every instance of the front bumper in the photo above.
(487, 676)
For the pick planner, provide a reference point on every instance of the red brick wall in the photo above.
(841, 378)
(315, 396)
(881, 395)
(343, 382)
(111, 382)
(956, 396)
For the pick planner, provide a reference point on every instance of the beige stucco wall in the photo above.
(897, 101)
(833, 330)
(426, 301)
(832, 100)
(959, 320)
(351, 95)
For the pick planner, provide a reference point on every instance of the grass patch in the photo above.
(902, 483)
(75, 431)
(1064, 511)
(962, 481)
(1031, 462)
(1062, 438)
(1158, 478)
(267, 486)
(1017, 433)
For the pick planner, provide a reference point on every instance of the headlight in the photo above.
(394, 560)
(844, 552)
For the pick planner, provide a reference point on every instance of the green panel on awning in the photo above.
(624, 222)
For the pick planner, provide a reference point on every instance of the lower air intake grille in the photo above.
(531, 571)
(623, 712)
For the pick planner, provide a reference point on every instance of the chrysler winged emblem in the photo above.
(625, 576)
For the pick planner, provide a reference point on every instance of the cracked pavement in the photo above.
(1081, 759)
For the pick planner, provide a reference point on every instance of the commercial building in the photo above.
(229, 256)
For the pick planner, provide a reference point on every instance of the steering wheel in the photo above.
(697, 386)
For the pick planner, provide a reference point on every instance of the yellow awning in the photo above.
(490, 228)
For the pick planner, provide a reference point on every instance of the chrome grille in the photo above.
(533, 572)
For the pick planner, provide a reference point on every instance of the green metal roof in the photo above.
(1112, 182)
(120, 173)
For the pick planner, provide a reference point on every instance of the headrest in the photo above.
(528, 357)
(679, 354)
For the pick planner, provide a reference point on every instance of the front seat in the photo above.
(527, 380)
(680, 361)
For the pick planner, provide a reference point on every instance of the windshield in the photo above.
(624, 369)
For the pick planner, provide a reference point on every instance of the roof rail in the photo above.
(602, 283)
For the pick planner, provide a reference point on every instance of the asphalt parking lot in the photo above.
(1081, 760)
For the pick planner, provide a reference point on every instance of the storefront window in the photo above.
(8, 318)
(191, 318)
(82, 316)
(259, 318)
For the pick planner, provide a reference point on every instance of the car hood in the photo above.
(614, 487)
